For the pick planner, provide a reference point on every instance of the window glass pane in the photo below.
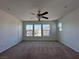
(60, 26)
(46, 29)
(29, 30)
(37, 30)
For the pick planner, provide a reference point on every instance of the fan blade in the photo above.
(44, 13)
(44, 17)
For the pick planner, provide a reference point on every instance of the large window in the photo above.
(37, 30)
(46, 29)
(29, 30)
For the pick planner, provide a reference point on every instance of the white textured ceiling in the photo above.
(22, 9)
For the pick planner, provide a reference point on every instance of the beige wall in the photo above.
(70, 34)
(10, 31)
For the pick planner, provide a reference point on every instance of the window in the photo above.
(46, 29)
(60, 26)
(37, 30)
(29, 30)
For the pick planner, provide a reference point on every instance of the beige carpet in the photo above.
(39, 50)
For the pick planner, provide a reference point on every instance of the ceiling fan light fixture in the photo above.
(41, 15)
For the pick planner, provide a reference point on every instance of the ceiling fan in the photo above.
(40, 15)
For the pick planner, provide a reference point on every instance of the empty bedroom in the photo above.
(39, 29)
